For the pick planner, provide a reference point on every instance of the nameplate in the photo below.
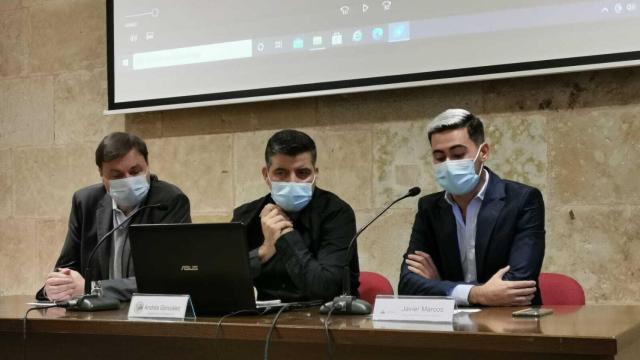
(413, 325)
(413, 308)
(159, 306)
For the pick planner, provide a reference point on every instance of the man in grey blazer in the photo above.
(127, 185)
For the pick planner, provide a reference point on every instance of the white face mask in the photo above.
(129, 192)
(458, 177)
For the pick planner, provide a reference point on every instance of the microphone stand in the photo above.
(127, 220)
(347, 303)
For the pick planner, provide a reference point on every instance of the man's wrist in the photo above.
(265, 253)
(475, 295)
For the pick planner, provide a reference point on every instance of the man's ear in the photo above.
(265, 174)
(485, 153)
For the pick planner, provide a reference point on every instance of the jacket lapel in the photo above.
(489, 211)
(449, 249)
(104, 218)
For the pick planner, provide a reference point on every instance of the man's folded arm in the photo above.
(319, 277)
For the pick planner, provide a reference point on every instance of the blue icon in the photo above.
(357, 36)
(399, 31)
(377, 34)
(298, 43)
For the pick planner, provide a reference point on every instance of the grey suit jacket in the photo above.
(92, 217)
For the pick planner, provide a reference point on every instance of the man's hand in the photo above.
(498, 292)
(422, 264)
(64, 284)
(275, 223)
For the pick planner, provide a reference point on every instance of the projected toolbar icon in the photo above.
(386, 5)
(377, 33)
(344, 10)
(336, 38)
(399, 31)
(298, 43)
(357, 36)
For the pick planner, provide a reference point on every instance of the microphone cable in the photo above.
(270, 333)
(219, 325)
(327, 321)
(24, 326)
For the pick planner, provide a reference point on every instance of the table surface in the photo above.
(590, 329)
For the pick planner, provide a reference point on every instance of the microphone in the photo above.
(346, 303)
(126, 221)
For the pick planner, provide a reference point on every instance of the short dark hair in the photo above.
(117, 145)
(291, 143)
(457, 119)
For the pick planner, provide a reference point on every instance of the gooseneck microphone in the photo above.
(346, 303)
(126, 221)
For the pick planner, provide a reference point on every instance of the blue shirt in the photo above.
(466, 229)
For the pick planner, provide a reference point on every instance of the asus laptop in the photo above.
(210, 262)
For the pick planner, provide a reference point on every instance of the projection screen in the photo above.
(165, 54)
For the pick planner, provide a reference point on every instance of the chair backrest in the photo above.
(372, 284)
(559, 289)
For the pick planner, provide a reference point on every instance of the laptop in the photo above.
(210, 262)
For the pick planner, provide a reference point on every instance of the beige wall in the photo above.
(575, 136)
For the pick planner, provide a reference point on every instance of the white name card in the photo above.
(159, 306)
(413, 308)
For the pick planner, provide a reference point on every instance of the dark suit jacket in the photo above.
(92, 217)
(309, 261)
(510, 231)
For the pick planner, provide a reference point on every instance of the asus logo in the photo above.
(189, 268)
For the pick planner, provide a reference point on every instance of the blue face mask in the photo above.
(458, 177)
(291, 196)
(129, 192)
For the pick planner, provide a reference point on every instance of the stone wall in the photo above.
(575, 136)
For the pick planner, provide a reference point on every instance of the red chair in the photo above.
(558, 289)
(372, 284)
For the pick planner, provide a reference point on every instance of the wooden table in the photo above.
(588, 332)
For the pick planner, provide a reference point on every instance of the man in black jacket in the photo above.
(299, 233)
(127, 184)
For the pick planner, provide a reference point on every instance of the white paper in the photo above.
(41, 304)
(467, 311)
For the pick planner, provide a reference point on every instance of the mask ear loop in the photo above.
(476, 158)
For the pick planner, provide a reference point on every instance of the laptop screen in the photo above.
(210, 262)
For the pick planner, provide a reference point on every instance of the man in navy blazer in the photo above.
(481, 240)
